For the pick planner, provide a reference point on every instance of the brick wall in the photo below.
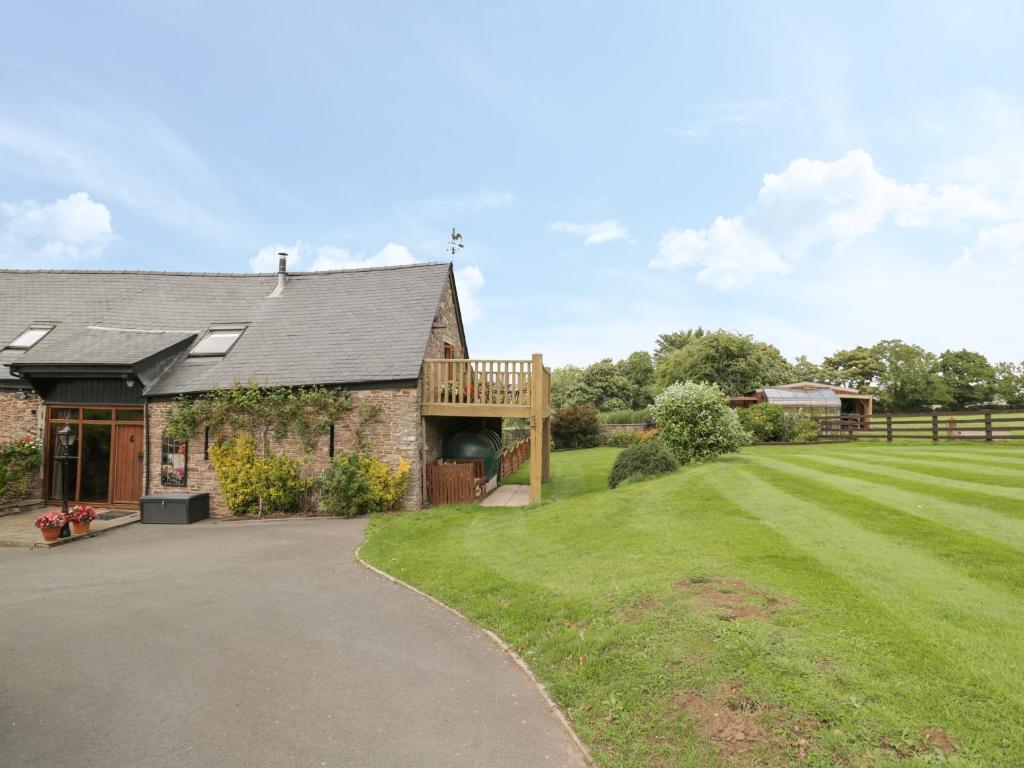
(21, 416)
(394, 434)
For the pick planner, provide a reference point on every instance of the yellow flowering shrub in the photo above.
(360, 484)
(254, 484)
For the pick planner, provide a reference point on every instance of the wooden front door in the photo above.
(126, 469)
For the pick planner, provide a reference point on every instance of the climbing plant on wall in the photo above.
(263, 413)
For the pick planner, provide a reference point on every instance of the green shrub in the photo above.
(621, 438)
(576, 426)
(767, 422)
(641, 416)
(642, 460)
(254, 484)
(801, 428)
(19, 459)
(696, 422)
(360, 484)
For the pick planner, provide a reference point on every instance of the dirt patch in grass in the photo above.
(736, 724)
(733, 599)
(933, 740)
(636, 609)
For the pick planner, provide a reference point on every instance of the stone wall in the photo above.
(394, 435)
(21, 415)
(445, 329)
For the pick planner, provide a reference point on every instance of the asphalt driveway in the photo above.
(249, 644)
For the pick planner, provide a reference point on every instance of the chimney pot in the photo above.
(282, 274)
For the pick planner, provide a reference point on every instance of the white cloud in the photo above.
(735, 115)
(998, 246)
(331, 257)
(266, 258)
(726, 253)
(54, 234)
(115, 150)
(469, 280)
(593, 234)
(817, 204)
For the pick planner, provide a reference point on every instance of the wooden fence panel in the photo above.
(939, 426)
(515, 457)
(451, 483)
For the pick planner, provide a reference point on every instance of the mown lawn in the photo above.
(817, 605)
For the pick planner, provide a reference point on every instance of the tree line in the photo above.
(904, 377)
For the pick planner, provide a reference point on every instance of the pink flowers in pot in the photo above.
(82, 513)
(50, 520)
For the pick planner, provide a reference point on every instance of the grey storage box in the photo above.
(174, 508)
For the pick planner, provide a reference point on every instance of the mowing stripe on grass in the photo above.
(924, 486)
(964, 486)
(978, 520)
(979, 455)
(938, 454)
(898, 576)
(980, 557)
(958, 471)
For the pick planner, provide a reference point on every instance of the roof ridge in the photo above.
(214, 274)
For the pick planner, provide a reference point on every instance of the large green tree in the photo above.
(857, 368)
(638, 371)
(670, 342)
(1009, 383)
(735, 362)
(805, 370)
(564, 381)
(969, 377)
(908, 376)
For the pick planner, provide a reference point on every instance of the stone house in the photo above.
(106, 353)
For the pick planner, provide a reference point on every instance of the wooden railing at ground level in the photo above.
(515, 457)
(477, 382)
(941, 425)
(451, 483)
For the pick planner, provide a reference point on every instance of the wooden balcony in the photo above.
(509, 388)
(495, 388)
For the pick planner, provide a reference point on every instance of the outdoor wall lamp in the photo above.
(66, 437)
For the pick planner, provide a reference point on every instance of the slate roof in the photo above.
(340, 327)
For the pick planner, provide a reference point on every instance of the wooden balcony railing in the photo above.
(499, 384)
(491, 389)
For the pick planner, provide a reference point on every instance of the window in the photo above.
(216, 342)
(173, 462)
(30, 337)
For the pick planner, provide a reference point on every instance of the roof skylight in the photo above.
(216, 342)
(30, 337)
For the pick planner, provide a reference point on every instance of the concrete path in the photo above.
(249, 644)
(19, 530)
(508, 496)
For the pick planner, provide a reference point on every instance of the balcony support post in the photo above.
(537, 424)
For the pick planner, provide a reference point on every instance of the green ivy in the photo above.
(263, 413)
(18, 460)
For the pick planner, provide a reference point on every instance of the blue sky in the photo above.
(817, 176)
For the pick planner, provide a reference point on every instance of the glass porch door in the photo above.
(94, 472)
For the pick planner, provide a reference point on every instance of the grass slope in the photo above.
(824, 605)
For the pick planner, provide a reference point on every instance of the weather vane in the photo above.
(455, 243)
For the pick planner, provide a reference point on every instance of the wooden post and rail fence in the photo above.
(496, 388)
(937, 426)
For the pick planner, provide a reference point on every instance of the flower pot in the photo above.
(80, 528)
(50, 534)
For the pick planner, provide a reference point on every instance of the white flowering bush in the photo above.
(696, 422)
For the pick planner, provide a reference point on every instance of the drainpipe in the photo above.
(145, 429)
